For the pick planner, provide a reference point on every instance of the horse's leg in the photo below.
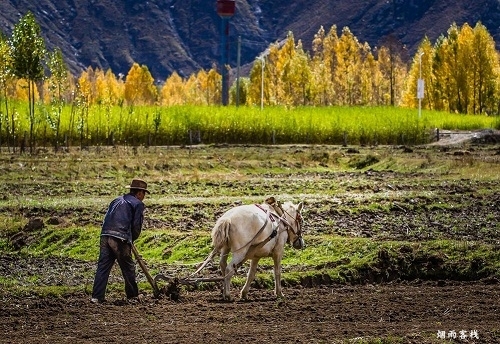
(230, 270)
(277, 276)
(250, 277)
(224, 253)
(223, 266)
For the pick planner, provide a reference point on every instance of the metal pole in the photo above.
(262, 64)
(238, 72)
(224, 54)
(420, 85)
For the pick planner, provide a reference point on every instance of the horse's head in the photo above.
(293, 223)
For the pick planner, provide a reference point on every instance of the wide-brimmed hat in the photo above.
(139, 184)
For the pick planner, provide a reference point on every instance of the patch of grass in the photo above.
(41, 291)
(73, 242)
(173, 247)
(361, 162)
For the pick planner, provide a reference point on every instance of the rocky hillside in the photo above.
(184, 35)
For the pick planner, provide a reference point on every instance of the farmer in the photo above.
(121, 227)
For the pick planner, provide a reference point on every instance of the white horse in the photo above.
(252, 232)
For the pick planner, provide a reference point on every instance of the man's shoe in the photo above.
(94, 300)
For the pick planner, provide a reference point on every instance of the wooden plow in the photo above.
(172, 287)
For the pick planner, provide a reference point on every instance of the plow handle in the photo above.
(138, 257)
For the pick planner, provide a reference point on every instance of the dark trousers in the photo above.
(113, 249)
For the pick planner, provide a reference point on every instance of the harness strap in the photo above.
(264, 210)
(258, 233)
(274, 233)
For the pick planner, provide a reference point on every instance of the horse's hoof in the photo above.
(227, 298)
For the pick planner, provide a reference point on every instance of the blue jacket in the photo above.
(124, 218)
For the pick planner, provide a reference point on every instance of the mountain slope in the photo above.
(184, 35)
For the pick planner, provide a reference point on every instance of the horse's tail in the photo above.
(220, 233)
(220, 237)
(205, 262)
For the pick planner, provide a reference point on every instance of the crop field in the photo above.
(402, 243)
(185, 125)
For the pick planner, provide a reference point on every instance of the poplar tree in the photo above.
(272, 85)
(27, 52)
(283, 65)
(392, 67)
(298, 83)
(109, 92)
(330, 45)
(192, 90)
(5, 76)
(58, 85)
(486, 70)
(319, 73)
(172, 92)
(85, 97)
(139, 86)
(409, 96)
(255, 83)
(347, 73)
(209, 86)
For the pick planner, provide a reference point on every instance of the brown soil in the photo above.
(415, 312)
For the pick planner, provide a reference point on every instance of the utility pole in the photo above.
(225, 9)
(262, 66)
(238, 59)
(420, 87)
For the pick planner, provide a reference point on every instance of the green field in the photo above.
(146, 126)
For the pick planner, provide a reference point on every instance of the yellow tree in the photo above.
(441, 83)
(463, 74)
(115, 88)
(392, 68)
(381, 77)
(214, 83)
(283, 65)
(172, 92)
(461, 71)
(109, 92)
(297, 78)
(330, 47)
(409, 96)
(366, 74)
(87, 86)
(85, 96)
(192, 93)
(485, 66)
(263, 77)
(447, 84)
(347, 71)
(256, 83)
(319, 74)
(497, 92)
(139, 86)
(272, 82)
(202, 91)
